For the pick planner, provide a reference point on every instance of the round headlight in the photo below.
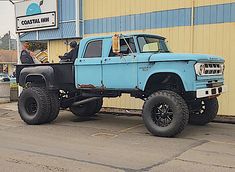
(199, 68)
(202, 69)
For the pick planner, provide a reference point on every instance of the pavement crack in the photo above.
(8, 128)
(215, 165)
(88, 127)
(214, 152)
(195, 144)
(78, 160)
(45, 167)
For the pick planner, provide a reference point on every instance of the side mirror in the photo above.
(116, 44)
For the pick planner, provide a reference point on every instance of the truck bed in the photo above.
(63, 72)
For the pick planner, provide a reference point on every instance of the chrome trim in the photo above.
(208, 92)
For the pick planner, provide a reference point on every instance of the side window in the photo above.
(124, 47)
(94, 49)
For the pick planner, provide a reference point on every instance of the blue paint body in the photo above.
(133, 71)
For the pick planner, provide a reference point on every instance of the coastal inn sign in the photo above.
(33, 15)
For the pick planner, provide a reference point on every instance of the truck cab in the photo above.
(134, 67)
(177, 89)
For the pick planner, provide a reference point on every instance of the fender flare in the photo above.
(187, 83)
(45, 72)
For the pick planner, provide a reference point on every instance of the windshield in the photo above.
(152, 44)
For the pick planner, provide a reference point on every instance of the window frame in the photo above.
(150, 36)
(97, 40)
(136, 46)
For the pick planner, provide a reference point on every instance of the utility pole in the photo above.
(20, 89)
(9, 42)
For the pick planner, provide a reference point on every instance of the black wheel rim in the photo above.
(31, 106)
(162, 114)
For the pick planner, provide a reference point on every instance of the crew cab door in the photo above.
(120, 71)
(88, 71)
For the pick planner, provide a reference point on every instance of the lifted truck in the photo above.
(177, 89)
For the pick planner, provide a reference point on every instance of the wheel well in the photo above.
(164, 81)
(37, 80)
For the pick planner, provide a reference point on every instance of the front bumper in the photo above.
(208, 92)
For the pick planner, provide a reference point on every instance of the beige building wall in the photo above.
(217, 39)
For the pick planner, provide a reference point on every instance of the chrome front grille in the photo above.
(213, 69)
(205, 69)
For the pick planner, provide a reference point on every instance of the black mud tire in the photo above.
(34, 105)
(84, 110)
(206, 112)
(168, 122)
(55, 106)
(99, 104)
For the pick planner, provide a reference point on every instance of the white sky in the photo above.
(7, 18)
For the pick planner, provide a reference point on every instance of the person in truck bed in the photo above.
(72, 55)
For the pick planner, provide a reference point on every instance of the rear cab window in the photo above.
(93, 49)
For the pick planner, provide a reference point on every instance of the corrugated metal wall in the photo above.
(212, 31)
(56, 48)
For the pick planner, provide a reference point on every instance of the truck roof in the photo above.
(127, 35)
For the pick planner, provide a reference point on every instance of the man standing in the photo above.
(25, 56)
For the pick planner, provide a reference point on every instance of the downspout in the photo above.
(77, 4)
(79, 19)
(192, 26)
(82, 18)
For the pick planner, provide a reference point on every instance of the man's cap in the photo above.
(73, 44)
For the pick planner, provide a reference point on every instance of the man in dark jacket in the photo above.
(72, 55)
(25, 56)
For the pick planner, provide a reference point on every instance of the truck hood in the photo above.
(185, 57)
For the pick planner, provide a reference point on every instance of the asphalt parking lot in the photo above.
(110, 142)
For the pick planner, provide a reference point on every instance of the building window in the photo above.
(94, 49)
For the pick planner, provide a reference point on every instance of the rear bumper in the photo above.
(208, 92)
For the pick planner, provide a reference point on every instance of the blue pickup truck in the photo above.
(177, 89)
